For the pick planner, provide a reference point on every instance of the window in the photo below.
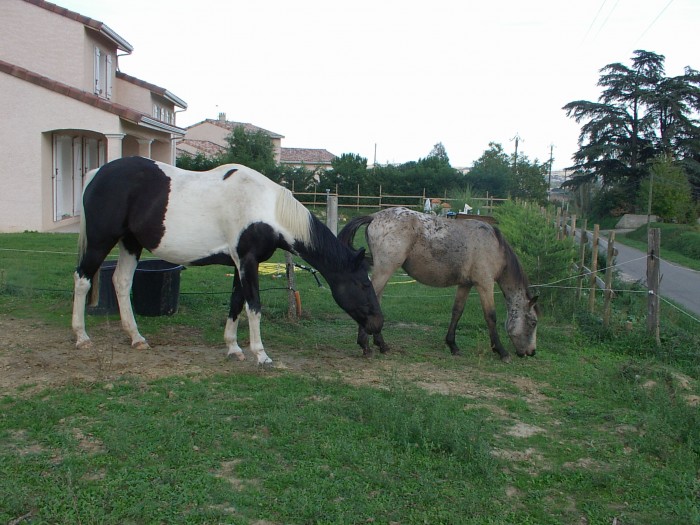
(103, 73)
(73, 157)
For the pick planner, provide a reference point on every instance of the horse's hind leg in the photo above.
(457, 310)
(88, 266)
(123, 279)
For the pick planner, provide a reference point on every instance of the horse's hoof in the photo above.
(239, 356)
(505, 358)
(267, 363)
(140, 345)
(384, 349)
(367, 352)
(84, 344)
(456, 353)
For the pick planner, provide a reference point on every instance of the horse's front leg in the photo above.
(363, 341)
(378, 340)
(457, 310)
(489, 308)
(251, 294)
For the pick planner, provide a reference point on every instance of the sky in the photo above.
(389, 79)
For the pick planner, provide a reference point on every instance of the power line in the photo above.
(654, 21)
(606, 19)
(593, 22)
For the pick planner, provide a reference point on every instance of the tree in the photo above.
(250, 148)
(491, 173)
(198, 162)
(529, 183)
(669, 190)
(349, 170)
(640, 115)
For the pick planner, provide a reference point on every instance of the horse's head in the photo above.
(353, 292)
(522, 326)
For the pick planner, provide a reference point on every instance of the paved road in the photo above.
(678, 284)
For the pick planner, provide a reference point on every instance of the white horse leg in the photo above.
(231, 339)
(256, 345)
(122, 279)
(81, 289)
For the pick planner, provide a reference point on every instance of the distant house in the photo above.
(68, 109)
(311, 159)
(209, 138)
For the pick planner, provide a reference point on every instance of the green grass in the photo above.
(598, 426)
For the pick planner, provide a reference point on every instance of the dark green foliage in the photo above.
(252, 149)
(545, 259)
(199, 162)
(495, 174)
(641, 115)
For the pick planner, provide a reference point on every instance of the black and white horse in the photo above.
(231, 215)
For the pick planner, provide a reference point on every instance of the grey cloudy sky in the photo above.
(403, 75)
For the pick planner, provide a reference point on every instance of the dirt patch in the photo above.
(35, 356)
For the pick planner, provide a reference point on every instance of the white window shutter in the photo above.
(108, 77)
(98, 83)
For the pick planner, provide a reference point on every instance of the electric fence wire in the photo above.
(580, 275)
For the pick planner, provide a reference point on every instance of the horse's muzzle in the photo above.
(527, 353)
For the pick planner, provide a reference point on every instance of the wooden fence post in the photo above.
(608, 279)
(332, 213)
(558, 223)
(594, 269)
(573, 226)
(582, 258)
(653, 282)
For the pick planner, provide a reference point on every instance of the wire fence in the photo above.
(272, 268)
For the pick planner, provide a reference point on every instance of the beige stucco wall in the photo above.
(26, 148)
(46, 43)
(134, 96)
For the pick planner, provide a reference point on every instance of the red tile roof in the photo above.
(306, 156)
(202, 146)
(230, 125)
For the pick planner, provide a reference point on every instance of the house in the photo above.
(67, 108)
(311, 159)
(209, 138)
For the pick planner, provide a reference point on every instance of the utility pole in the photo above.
(651, 190)
(551, 161)
(515, 160)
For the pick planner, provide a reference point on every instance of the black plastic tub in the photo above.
(156, 289)
(107, 303)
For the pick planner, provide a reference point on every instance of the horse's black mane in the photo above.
(512, 262)
(325, 247)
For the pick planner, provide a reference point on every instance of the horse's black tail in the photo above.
(347, 234)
